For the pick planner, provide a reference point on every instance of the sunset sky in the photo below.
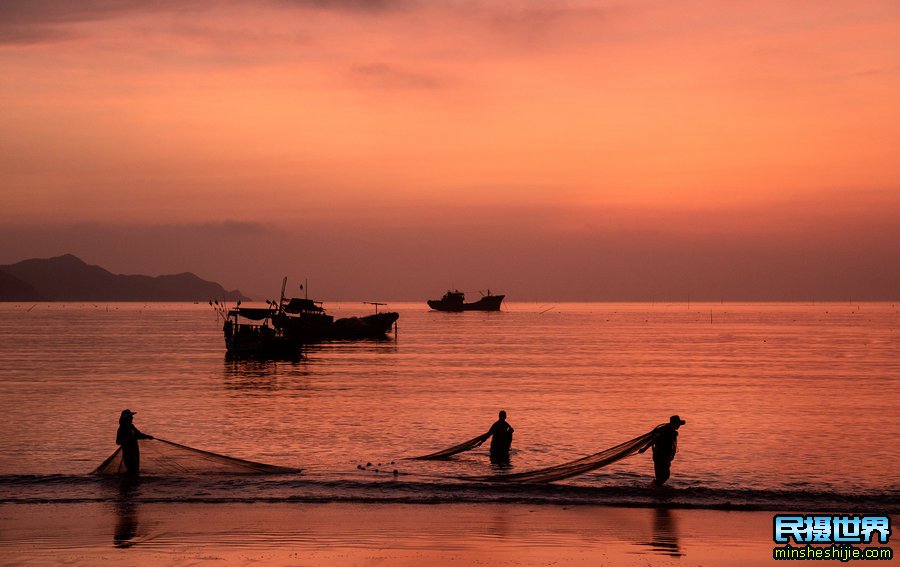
(388, 149)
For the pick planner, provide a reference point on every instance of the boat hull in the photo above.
(304, 328)
(315, 329)
(260, 342)
(486, 303)
(370, 327)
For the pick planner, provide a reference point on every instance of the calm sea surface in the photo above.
(787, 405)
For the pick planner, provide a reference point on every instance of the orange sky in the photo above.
(742, 131)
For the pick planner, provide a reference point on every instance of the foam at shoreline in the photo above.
(220, 489)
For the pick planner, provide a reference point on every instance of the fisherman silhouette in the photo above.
(665, 445)
(501, 439)
(127, 437)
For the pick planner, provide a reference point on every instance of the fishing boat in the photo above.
(307, 321)
(282, 327)
(303, 319)
(367, 327)
(249, 333)
(456, 301)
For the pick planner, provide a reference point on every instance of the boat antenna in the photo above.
(376, 304)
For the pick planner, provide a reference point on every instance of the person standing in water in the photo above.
(127, 437)
(665, 445)
(501, 439)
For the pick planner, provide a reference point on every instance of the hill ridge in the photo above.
(69, 278)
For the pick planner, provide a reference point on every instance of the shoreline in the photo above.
(139, 533)
(386, 489)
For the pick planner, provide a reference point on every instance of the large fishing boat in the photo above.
(456, 301)
(307, 321)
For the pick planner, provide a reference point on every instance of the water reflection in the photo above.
(664, 539)
(365, 346)
(291, 357)
(126, 531)
(253, 376)
(499, 525)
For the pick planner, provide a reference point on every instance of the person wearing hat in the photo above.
(127, 437)
(665, 444)
(501, 439)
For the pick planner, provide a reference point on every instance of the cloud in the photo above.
(47, 21)
(371, 6)
(40, 12)
(27, 35)
(518, 250)
(42, 21)
(383, 76)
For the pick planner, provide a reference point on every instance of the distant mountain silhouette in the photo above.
(14, 289)
(68, 278)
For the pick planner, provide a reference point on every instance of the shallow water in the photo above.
(782, 401)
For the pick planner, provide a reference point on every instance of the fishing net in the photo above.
(577, 467)
(165, 458)
(470, 444)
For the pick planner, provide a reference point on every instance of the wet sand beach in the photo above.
(378, 534)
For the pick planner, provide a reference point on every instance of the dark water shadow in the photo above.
(249, 358)
(127, 531)
(502, 467)
(370, 346)
(664, 539)
(262, 376)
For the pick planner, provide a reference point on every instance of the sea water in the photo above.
(787, 405)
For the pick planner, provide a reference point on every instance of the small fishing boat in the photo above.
(249, 333)
(456, 301)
